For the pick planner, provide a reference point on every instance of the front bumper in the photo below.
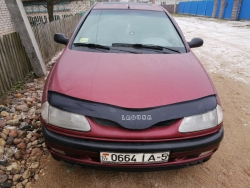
(86, 152)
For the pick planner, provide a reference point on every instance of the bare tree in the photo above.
(50, 8)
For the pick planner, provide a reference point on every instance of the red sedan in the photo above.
(128, 93)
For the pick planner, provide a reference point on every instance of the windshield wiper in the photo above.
(92, 45)
(148, 46)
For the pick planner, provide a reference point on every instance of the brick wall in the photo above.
(71, 8)
(6, 23)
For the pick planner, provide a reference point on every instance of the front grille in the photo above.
(106, 122)
(165, 123)
(109, 123)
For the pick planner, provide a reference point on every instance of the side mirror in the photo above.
(195, 42)
(61, 39)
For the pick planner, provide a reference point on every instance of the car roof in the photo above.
(127, 5)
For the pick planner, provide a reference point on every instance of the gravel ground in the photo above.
(225, 55)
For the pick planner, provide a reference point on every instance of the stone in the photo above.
(9, 168)
(26, 141)
(38, 123)
(28, 150)
(41, 140)
(26, 174)
(36, 177)
(19, 95)
(34, 143)
(13, 133)
(2, 124)
(19, 185)
(10, 177)
(12, 110)
(35, 117)
(17, 141)
(2, 172)
(9, 152)
(18, 155)
(36, 152)
(28, 185)
(22, 108)
(4, 162)
(29, 145)
(33, 138)
(24, 182)
(26, 156)
(10, 127)
(38, 112)
(9, 140)
(25, 126)
(29, 99)
(29, 104)
(26, 94)
(21, 145)
(6, 185)
(36, 135)
(3, 178)
(6, 131)
(34, 165)
(4, 114)
(21, 134)
(4, 136)
(2, 142)
(29, 136)
(7, 102)
(16, 177)
(16, 166)
(1, 149)
(39, 105)
(13, 122)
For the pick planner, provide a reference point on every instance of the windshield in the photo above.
(106, 27)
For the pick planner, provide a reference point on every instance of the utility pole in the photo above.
(27, 36)
(175, 3)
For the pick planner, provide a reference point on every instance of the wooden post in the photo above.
(27, 36)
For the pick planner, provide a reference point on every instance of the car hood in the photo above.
(130, 80)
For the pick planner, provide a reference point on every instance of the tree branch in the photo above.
(55, 2)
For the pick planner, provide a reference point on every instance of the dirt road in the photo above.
(226, 57)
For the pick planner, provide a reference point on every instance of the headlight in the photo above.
(203, 121)
(67, 120)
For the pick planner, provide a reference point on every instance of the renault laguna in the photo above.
(127, 93)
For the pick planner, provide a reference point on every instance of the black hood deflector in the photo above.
(131, 118)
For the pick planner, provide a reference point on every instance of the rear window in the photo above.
(106, 27)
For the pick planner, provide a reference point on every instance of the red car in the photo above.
(128, 93)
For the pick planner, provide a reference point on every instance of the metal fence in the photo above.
(198, 7)
(45, 35)
(14, 63)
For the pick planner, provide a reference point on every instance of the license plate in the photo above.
(110, 157)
